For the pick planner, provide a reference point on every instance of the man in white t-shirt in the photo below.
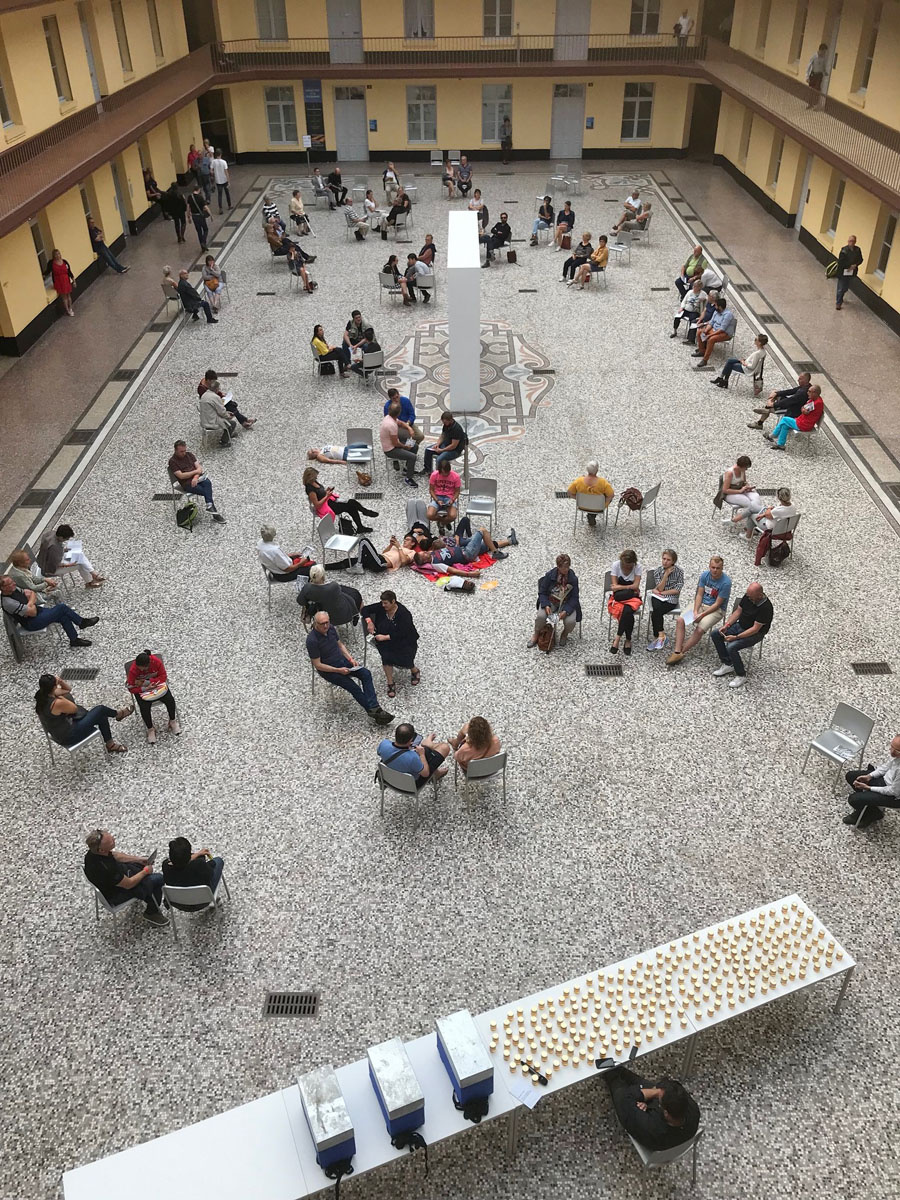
(221, 177)
(683, 27)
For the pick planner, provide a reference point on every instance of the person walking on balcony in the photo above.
(849, 262)
(815, 75)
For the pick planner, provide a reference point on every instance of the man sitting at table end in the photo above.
(658, 1117)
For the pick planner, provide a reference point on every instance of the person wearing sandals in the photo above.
(395, 636)
(625, 597)
(67, 723)
(557, 597)
(147, 681)
(664, 597)
(476, 739)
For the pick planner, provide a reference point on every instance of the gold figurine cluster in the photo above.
(703, 976)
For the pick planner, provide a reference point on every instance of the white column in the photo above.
(464, 316)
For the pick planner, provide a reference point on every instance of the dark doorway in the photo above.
(716, 19)
(199, 22)
(704, 121)
(214, 120)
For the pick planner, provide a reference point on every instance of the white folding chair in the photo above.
(18, 635)
(648, 502)
(399, 781)
(413, 192)
(344, 544)
(101, 902)
(198, 894)
(371, 365)
(360, 187)
(482, 501)
(454, 156)
(481, 768)
(94, 736)
(663, 1158)
(844, 739)
(427, 283)
(437, 160)
(172, 297)
(387, 283)
(402, 221)
(621, 246)
(362, 457)
(587, 502)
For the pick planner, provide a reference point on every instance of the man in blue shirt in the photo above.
(710, 606)
(423, 758)
(715, 331)
(337, 666)
(407, 415)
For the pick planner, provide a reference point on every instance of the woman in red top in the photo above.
(63, 280)
(147, 682)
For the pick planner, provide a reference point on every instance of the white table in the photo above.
(247, 1151)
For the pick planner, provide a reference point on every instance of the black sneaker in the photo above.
(88, 622)
(80, 642)
(195, 316)
(513, 539)
(155, 917)
(499, 554)
(217, 516)
(211, 321)
(311, 257)
(410, 482)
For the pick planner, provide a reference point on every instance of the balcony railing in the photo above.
(254, 54)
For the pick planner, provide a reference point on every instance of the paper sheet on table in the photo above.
(523, 1089)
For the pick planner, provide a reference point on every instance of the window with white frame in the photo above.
(798, 33)
(498, 20)
(418, 18)
(863, 71)
(637, 112)
(281, 114)
(57, 59)
(421, 114)
(155, 33)
(496, 103)
(40, 245)
(644, 16)
(271, 20)
(887, 242)
(775, 162)
(836, 206)
(121, 36)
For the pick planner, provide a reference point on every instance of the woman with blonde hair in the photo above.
(476, 739)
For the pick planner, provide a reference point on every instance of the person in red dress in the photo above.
(63, 281)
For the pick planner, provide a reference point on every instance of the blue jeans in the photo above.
(200, 224)
(56, 614)
(441, 456)
(782, 429)
(730, 652)
(149, 889)
(359, 685)
(473, 546)
(733, 364)
(843, 282)
(108, 257)
(94, 718)
(539, 224)
(203, 488)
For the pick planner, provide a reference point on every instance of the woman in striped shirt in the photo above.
(664, 597)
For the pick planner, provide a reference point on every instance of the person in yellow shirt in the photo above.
(596, 262)
(595, 485)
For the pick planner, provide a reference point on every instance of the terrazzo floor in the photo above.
(639, 808)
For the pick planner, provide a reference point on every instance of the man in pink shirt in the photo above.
(393, 445)
(444, 485)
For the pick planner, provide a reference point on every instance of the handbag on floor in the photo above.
(511, 256)
(566, 241)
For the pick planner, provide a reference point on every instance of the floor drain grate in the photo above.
(725, 262)
(872, 668)
(855, 429)
(368, 495)
(894, 489)
(767, 491)
(807, 364)
(265, 293)
(530, 291)
(80, 437)
(162, 495)
(544, 371)
(605, 669)
(36, 498)
(660, 289)
(80, 673)
(769, 319)
(744, 287)
(562, 496)
(123, 375)
(291, 1004)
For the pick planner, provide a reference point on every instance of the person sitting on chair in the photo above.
(464, 176)
(210, 383)
(693, 304)
(59, 551)
(448, 178)
(22, 605)
(579, 257)
(409, 282)
(26, 574)
(558, 597)
(369, 345)
(148, 681)
(693, 268)
(402, 204)
(297, 265)
(477, 205)
(805, 421)
(597, 262)
(390, 181)
(394, 635)
(500, 235)
(710, 606)
(625, 597)
(190, 299)
(67, 723)
(120, 877)
(190, 475)
(285, 566)
(787, 402)
(428, 252)
(334, 664)
(664, 597)
(214, 416)
(335, 185)
(356, 328)
(709, 333)
(444, 484)
(186, 868)
(406, 419)
(564, 222)
(750, 621)
(396, 441)
(636, 221)
(326, 353)
(320, 188)
(592, 484)
(658, 1117)
(325, 501)
(874, 788)
(750, 365)
(423, 758)
(544, 219)
(740, 495)
(270, 213)
(451, 444)
(360, 223)
(341, 602)
(476, 739)
(764, 522)
(298, 213)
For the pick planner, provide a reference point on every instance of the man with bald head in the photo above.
(786, 403)
(749, 624)
(874, 789)
(849, 262)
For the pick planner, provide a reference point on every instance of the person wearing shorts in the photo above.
(710, 606)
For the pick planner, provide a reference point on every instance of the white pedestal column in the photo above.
(464, 318)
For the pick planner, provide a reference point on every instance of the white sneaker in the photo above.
(738, 681)
(725, 669)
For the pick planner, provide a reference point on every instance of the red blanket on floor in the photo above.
(434, 571)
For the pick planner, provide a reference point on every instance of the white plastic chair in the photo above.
(371, 364)
(18, 635)
(648, 502)
(387, 283)
(402, 221)
(343, 544)
(399, 781)
(93, 736)
(358, 458)
(427, 283)
(663, 1158)
(101, 902)
(172, 297)
(198, 894)
(621, 246)
(845, 738)
(481, 768)
(587, 502)
(483, 501)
